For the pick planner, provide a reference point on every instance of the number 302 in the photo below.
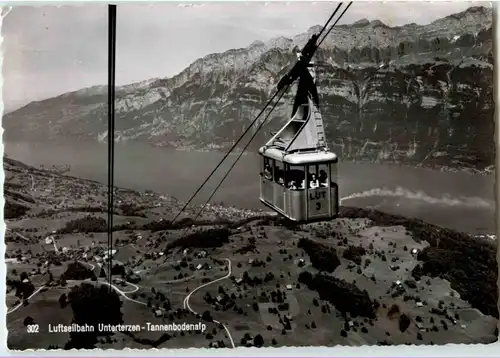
(33, 328)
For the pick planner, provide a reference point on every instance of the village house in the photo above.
(224, 301)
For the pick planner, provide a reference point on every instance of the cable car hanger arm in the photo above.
(309, 50)
(307, 54)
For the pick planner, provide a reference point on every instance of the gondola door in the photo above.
(318, 194)
(279, 185)
(266, 180)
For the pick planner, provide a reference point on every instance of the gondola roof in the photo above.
(299, 158)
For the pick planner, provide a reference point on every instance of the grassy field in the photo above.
(246, 276)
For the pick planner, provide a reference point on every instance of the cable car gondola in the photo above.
(297, 155)
(298, 176)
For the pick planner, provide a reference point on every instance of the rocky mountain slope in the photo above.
(432, 105)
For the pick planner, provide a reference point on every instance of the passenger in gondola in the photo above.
(292, 185)
(279, 176)
(268, 172)
(323, 179)
(314, 183)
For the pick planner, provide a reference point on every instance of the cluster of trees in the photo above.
(23, 289)
(355, 254)
(77, 271)
(86, 224)
(345, 296)
(210, 238)
(257, 341)
(92, 305)
(469, 265)
(323, 257)
(14, 210)
(128, 209)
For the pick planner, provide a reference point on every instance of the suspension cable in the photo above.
(329, 19)
(247, 130)
(111, 129)
(334, 24)
(230, 168)
(253, 136)
(223, 159)
(271, 111)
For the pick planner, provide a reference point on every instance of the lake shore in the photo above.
(460, 201)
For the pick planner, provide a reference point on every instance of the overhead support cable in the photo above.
(111, 129)
(283, 86)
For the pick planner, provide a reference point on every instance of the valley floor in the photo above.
(250, 277)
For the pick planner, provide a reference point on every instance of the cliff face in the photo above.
(432, 105)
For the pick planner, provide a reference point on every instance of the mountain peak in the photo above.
(362, 22)
(257, 43)
(377, 23)
(471, 11)
(280, 42)
(476, 9)
(315, 29)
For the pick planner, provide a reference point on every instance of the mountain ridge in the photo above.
(210, 102)
(259, 43)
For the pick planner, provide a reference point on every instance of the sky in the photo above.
(49, 50)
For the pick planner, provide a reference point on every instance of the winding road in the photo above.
(124, 293)
(18, 234)
(187, 306)
(20, 304)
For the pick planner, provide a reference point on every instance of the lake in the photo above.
(461, 201)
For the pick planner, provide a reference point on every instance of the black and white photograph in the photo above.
(249, 174)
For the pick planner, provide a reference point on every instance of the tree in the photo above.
(63, 301)
(258, 341)
(206, 316)
(28, 321)
(77, 271)
(92, 305)
(404, 322)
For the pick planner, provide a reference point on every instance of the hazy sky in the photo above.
(50, 50)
